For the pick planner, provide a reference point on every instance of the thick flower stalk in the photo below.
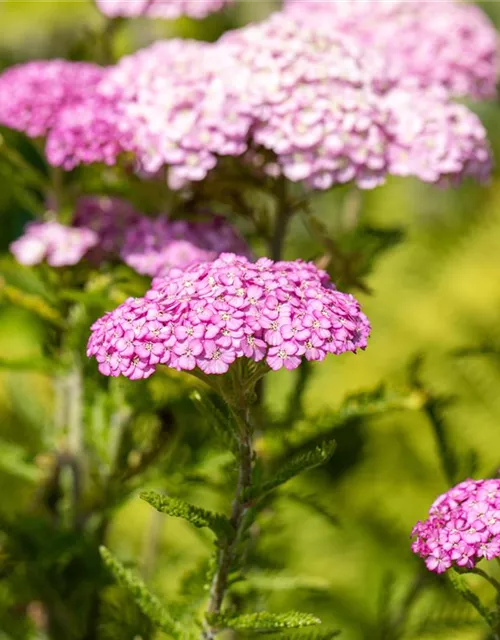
(167, 9)
(421, 43)
(463, 527)
(210, 315)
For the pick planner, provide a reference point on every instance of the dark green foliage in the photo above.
(196, 516)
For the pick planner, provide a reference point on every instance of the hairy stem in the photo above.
(228, 547)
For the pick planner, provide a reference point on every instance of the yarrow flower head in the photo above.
(447, 43)
(314, 101)
(208, 315)
(463, 527)
(167, 9)
(58, 244)
(178, 97)
(33, 95)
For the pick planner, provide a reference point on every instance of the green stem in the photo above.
(228, 547)
(281, 221)
(479, 572)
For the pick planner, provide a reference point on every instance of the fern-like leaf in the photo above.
(265, 622)
(309, 459)
(197, 516)
(145, 600)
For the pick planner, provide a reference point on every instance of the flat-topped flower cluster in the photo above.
(421, 43)
(107, 229)
(167, 9)
(463, 527)
(210, 314)
(305, 101)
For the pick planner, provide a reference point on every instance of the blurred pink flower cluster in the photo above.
(291, 95)
(109, 228)
(210, 314)
(422, 43)
(167, 9)
(463, 527)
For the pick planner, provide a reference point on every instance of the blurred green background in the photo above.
(434, 294)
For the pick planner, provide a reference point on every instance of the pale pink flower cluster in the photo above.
(423, 43)
(58, 244)
(167, 9)
(110, 228)
(210, 314)
(181, 97)
(436, 140)
(463, 527)
(313, 102)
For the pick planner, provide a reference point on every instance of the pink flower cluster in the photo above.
(286, 96)
(59, 245)
(209, 315)
(436, 140)
(313, 103)
(463, 527)
(33, 95)
(167, 9)
(110, 228)
(154, 245)
(181, 97)
(422, 43)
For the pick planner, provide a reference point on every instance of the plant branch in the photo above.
(282, 218)
(228, 547)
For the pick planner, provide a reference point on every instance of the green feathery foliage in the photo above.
(197, 516)
(309, 459)
(263, 621)
(145, 600)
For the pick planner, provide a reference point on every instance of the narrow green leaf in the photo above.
(31, 302)
(303, 462)
(268, 622)
(145, 600)
(27, 364)
(197, 516)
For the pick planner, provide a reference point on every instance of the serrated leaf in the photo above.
(145, 600)
(461, 587)
(197, 516)
(264, 622)
(309, 635)
(303, 462)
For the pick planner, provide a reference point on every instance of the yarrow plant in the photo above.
(185, 162)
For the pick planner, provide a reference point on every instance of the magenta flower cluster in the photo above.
(210, 314)
(110, 228)
(58, 244)
(422, 43)
(463, 527)
(167, 9)
(33, 95)
(285, 96)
